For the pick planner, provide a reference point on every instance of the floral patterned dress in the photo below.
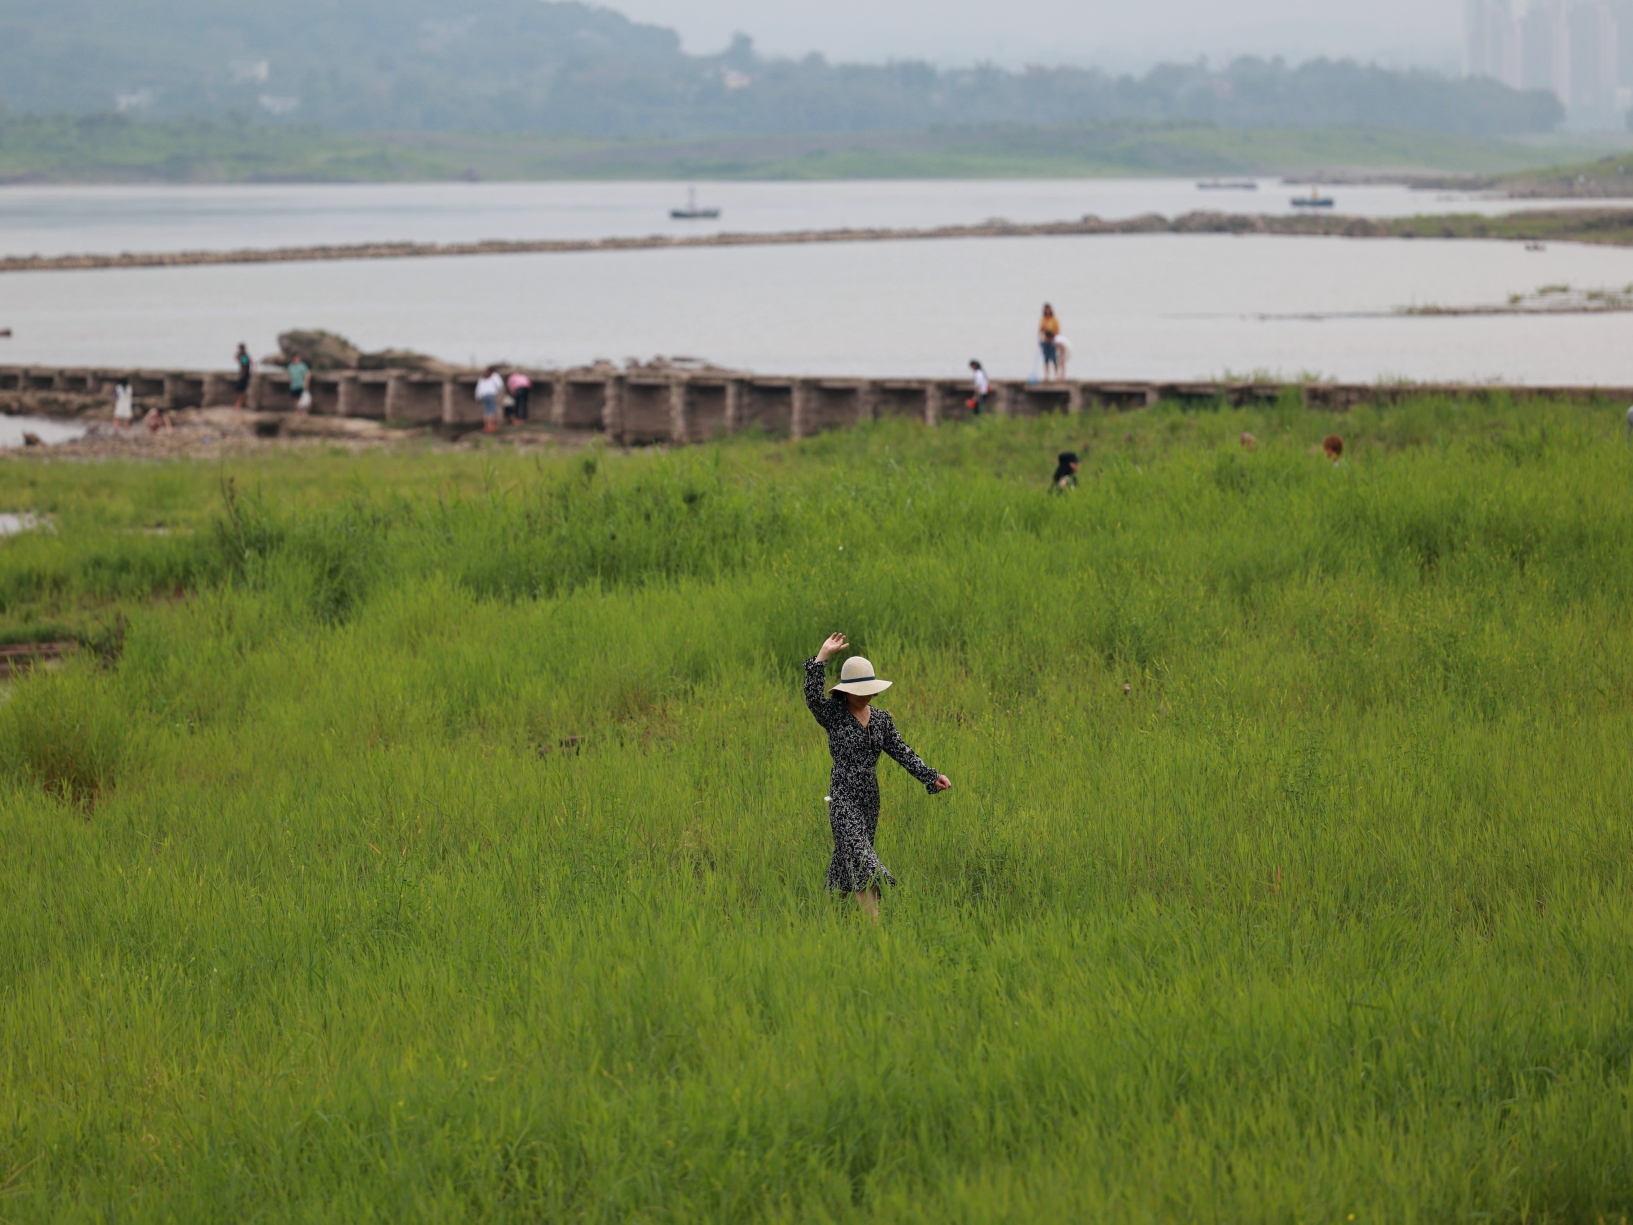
(853, 790)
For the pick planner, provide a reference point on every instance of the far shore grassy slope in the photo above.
(115, 149)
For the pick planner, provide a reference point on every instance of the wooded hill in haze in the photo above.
(534, 65)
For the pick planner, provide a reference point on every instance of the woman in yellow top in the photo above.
(1048, 329)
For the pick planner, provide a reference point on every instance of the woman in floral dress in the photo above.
(857, 734)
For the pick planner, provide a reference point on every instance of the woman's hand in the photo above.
(835, 642)
(942, 782)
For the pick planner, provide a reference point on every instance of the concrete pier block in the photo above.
(347, 399)
(705, 409)
(584, 403)
(219, 390)
(459, 402)
(646, 412)
(733, 420)
(680, 425)
(768, 404)
(867, 401)
(325, 390)
(413, 401)
(612, 410)
(799, 418)
(933, 397)
(396, 398)
(368, 397)
(558, 401)
(1074, 399)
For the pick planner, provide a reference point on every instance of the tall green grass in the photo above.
(442, 836)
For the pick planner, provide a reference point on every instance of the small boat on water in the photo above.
(692, 212)
(1227, 185)
(1314, 200)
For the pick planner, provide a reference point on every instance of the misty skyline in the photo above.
(1113, 34)
(564, 66)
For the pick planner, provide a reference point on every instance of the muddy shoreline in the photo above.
(212, 433)
(1613, 225)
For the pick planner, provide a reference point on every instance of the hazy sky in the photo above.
(1120, 34)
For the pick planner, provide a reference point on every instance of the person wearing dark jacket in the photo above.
(1065, 476)
(857, 734)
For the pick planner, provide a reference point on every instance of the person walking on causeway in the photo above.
(857, 734)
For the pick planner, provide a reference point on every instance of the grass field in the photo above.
(114, 148)
(440, 836)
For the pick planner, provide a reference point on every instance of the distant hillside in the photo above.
(531, 65)
(116, 148)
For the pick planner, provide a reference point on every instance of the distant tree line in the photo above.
(542, 66)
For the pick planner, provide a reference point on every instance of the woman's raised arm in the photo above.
(816, 669)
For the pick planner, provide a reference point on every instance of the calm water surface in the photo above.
(104, 220)
(48, 430)
(1159, 306)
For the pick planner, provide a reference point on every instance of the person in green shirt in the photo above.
(298, 374)
(242, 360)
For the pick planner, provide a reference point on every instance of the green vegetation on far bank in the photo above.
(1612, 226)
(1602, 177)
(112, 148)
(441, 836)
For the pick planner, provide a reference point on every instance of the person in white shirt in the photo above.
(983, 387)
(488, 391)
(124, 405)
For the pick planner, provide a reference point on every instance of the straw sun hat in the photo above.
(857, 677)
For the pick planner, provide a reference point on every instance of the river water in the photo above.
(48, 430)
(1134, 306)
(106, 220)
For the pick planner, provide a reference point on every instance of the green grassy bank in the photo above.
(435, 836)
(114, 148)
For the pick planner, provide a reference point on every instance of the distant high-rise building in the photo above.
(1545, 61)
(1493, 41)
(1594, 49)
(1574, 48)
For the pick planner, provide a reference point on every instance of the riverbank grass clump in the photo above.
(441, 836)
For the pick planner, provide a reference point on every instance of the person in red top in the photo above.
(520, 388)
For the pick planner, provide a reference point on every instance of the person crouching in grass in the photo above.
(857, 734)
(521, 390)
(1332, 446)
(1065, 476)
